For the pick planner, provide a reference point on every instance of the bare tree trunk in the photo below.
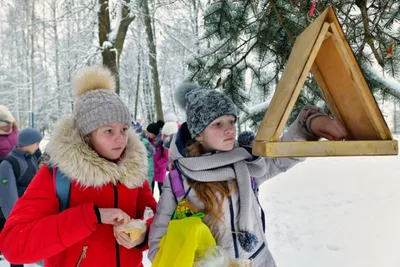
(138, 83)
(57, 55)
(171, 95)
(147, 97)
(32, 60)
(153, 59)
(195, 22)
(46, 95)
(112, 51)
(70, 6)
(26, 76)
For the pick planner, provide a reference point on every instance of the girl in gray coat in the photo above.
(220, 173)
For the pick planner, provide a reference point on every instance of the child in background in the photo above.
(21, 161)
(18, 169)
(161, 156)
(8, 132)
(150, 151)
(169, 129)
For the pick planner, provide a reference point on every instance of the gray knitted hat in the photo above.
(96, 102)
(202, 106)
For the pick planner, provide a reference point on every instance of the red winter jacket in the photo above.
(37, 230)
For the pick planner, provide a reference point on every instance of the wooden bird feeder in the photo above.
(323, 49)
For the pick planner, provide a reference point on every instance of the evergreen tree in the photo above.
(255, 38)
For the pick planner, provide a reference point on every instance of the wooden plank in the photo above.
(301, 81)
(328, 34)
(327, 95)
(273, 121)
(343, 91)
(325, 148)
(332, 18)
(365, 95)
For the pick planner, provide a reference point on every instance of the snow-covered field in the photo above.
(334, 212)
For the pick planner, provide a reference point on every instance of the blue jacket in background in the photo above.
(11, 187)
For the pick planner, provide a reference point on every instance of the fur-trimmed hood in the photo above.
(69, 152)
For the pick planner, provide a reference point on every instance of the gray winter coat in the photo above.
(219, 165)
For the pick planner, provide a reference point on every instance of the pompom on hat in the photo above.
(171, 124)
(96, 103)
(155, 127)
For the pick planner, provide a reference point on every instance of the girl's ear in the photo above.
(199, 138)
(88, 139)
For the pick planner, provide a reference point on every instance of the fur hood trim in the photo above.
(70, 153)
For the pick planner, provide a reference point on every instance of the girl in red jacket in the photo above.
(106, 165)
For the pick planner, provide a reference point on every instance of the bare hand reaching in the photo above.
(328, 128)
(114, 217)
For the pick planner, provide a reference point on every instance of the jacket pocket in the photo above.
(82, 256)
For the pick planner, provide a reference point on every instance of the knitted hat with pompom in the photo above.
(96, 103)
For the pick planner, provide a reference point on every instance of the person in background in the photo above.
(153, 132)
(170, 128)
(8, 132)
(24, 165)
(150, 151)
(8, 140)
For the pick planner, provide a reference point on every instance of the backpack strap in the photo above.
(177, 187)
(176, 181)
(15, 166)
(62, 187)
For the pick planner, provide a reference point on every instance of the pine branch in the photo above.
(362, 4)
(280, 19)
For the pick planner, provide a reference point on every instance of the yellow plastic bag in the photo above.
(185, 239)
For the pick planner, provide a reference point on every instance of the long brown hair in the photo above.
(88, 140)
(209, 192)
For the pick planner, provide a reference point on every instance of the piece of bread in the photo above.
(134, 233)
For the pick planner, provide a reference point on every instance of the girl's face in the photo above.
(219, 135)
(7, 128)
(110, 140)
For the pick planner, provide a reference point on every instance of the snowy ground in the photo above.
(334, 212)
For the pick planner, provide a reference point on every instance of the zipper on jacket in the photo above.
(83, 255)
(116, 243)
(233, 227)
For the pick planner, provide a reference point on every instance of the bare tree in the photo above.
(112, 40)
(152, 59)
